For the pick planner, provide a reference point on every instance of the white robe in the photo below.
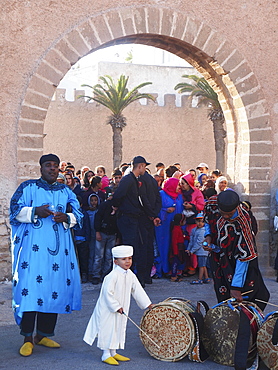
(106, 323)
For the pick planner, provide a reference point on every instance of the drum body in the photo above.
(221, 330)
(266, 349)
(170, 326)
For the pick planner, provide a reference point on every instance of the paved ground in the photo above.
(76, 354)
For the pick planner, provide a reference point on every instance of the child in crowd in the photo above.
(93, 202)
(177, 253)
(81, 241)
(100, 171)
(105, 225)
(108, 321)
(196, 247)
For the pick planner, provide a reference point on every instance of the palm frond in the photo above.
(201, 89)
(115, 95)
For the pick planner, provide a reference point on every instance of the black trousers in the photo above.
(129, 229)
(83, 256)
(146, 229)
(46, 323)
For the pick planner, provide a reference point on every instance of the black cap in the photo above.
(139, 159)
(228, 200)
(49, 158)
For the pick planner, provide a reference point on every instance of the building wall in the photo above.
(77, 132)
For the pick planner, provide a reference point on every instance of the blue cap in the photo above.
(200, 215)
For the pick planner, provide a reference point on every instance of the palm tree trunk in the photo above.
(220, 145)
(117, 146)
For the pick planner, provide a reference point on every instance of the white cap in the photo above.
(202, 164)
(122, 251)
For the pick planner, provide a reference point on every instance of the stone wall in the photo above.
(77, 132)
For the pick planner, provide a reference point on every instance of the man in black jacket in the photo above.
(127, 198)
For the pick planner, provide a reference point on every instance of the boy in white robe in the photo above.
(107, 321)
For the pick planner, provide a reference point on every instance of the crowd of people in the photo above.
(155, 213)
(104, 214)
(160, 225)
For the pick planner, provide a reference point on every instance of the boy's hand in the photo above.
(207, 239)
(188, 252)
(120, 310)
(207, 247)
(151, 306)
(170, 209)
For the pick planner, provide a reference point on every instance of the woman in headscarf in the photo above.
(221, 184)
(171, 205)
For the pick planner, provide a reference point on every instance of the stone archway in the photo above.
(248, 139)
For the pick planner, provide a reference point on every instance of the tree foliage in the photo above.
(201, 89)
(116, 96)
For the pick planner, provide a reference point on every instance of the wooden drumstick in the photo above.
(142, 331)
(249, 291)
(271, 304)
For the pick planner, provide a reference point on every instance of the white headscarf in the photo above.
(219, 179)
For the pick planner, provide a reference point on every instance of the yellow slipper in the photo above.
(111, 361)
(26, 349)
(48, 343)
(120, 357)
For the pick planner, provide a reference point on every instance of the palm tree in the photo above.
(116, 97)
(206, 95)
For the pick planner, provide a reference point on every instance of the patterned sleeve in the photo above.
(19, 201)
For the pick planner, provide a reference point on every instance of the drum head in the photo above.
(220, 333)
(266, 349)
(169, 325)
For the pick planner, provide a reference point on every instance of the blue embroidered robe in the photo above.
(46, 276)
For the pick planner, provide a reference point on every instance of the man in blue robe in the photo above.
(46, 278)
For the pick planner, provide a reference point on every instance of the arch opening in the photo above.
(246, 116)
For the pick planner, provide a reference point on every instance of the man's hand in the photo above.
(237, 295)
(157, 221)
(60, 217)
(150, 306)
(98, 236)
(170, 209)
(43, 211)
(120, 310)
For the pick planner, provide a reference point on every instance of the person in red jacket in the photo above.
(177, 252)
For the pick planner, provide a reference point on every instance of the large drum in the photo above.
(267, 341)
(226, 325)
(170, 325)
